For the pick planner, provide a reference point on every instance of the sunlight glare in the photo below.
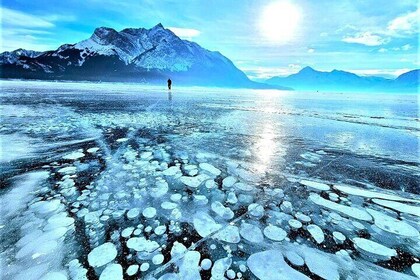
(279, 21)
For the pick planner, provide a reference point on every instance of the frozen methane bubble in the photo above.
(230, 274)
(294, 258)
(243, 187)
(295, 224)
(194, 182)
(321, 265)
(188, 268)
(392, 225)
(339, 238)
(44, 207)
(251, 233)
(67, 170)
(398, 206)
(302, 217)
(157, 259)
(372, 249)
(315, 185)
(200, 199)
(270, 265)
(222, 211)
(416, 269)
(160, 230)
(274, 233)
(228, 182)
(343, 209)
(352, 190)
(229, 234)
(255, 210)
(149, 212)
(317, 233)
(219, 268)
(92, 150)
(132, 269)
(178, 250)
(112, 272)
(141, 244)
(102, 255)
(144, 267)
(160, 188)
(127, 232)
(75, 155)
(171, 171)
(231, 198)
(210, 168)
(204, 224)
(286, 207)
(133, 213)
(167, 205)
(206, 264)
(54, 276)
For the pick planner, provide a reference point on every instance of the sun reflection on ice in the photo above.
(268, 148)
(265, 148)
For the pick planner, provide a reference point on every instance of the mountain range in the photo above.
(133, 55)
(336, 80)
(156, 54)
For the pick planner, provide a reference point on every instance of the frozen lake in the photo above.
(122, 180)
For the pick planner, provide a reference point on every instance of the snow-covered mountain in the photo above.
(337, 80)
(133, 54)
(13, 57)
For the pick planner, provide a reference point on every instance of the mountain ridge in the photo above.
(132, 54)
(338, 80)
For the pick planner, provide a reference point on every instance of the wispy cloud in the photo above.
(406, 24)
(366, 38)
(185, 33)
(17, 18)
(264, 73)
(29, 31)
(387, 73)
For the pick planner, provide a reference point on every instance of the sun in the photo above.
(279, 21)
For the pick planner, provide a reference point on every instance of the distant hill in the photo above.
(133, 54)
(336, 80)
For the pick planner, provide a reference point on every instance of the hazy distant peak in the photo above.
(307, 69)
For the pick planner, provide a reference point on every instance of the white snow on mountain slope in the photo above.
(155, 48)
(13, 57)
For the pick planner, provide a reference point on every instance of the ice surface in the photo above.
(203, 182)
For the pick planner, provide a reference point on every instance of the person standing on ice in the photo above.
(169, 84)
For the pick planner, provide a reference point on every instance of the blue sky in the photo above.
(263, 38)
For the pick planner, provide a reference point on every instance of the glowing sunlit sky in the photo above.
(262, 38)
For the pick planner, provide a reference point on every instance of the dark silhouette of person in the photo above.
(169, 83)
